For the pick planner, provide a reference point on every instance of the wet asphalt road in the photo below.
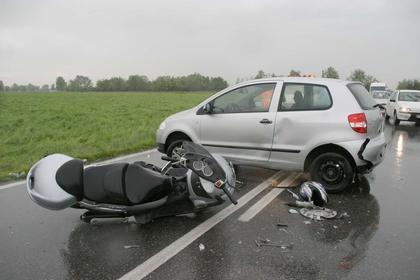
(379, 239)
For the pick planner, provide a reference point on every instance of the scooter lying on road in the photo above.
(188, 184)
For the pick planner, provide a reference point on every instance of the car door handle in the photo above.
(265, 121)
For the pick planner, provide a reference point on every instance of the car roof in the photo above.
(307, 80)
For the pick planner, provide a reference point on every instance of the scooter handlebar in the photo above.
(229, 195)
(169, 159)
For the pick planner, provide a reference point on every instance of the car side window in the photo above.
(247, 99)
(299, 97)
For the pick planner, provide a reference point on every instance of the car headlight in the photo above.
(162, 125)
(405, 110)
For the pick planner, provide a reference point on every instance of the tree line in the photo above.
(357, 75)
(193, 82)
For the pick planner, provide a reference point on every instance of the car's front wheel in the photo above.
(175, 148)
(396, 120)
(333, 170)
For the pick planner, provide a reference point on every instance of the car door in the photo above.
(301, 110)
(240, 123)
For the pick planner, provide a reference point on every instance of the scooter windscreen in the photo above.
(200, 161)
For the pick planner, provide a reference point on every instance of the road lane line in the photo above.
(11, 185)
(23, 182)
(265, 200)
(178, 245)
(289, 180)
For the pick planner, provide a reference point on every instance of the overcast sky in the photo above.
(40, 40)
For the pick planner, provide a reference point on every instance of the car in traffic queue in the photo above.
(404, 105)
(328, 127)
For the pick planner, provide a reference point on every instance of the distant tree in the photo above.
(45, 87)
(14, 87)
(164, 83)
(7, 88)
(31, 87)
(138, 83)
(294, 73)
(330, 72)
(360, 76)
(60, 84)
(80, 83)
(52, 87)
(1, 86)
(217, 84)
(409, 84)
(260, 75)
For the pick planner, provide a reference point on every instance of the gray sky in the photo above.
(40, 40)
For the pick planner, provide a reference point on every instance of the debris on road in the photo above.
(201, 247)
(318, 213)
(301, 204)
(307, 222)
(131, 246)
(343, 215)
(281, 225)
(267, 242)
(293, 211)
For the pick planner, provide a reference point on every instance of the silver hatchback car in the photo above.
(331, 128)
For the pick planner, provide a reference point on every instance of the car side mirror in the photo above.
(207, 108)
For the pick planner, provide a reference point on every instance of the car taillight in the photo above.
(358, 122)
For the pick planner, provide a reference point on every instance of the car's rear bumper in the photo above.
(367, 153)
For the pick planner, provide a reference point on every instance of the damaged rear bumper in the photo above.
(371, 153)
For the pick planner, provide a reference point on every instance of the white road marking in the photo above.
(178, 245)
(265, 200)
(289, 180)
(23, 182)
(11, 185)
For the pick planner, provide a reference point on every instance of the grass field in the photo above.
(94, 125)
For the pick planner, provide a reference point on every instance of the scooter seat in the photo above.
(145, 185)
(120, 183)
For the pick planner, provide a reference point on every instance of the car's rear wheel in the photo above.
(333, 170)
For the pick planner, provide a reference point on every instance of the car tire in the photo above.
(175, 146)
(396, 120)
(334, 171)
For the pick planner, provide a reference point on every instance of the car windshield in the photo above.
(410, 96)
(381, 94)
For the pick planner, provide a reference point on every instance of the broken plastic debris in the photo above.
(343, 215)
(201, 247)
(281, 225)
(318, 213)
(293, 211)
(302, 204)
(307, 222)
(131, 246)
(335, 227)
(267, 242)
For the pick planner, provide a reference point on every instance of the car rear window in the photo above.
(362, 96)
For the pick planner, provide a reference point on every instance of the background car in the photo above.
(404, 105)
(381, 97)
(328, 127)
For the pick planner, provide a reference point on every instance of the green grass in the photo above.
(92, 125)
